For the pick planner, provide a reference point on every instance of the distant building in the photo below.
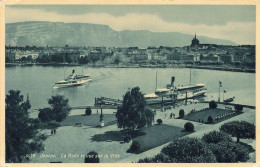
(196, 57)
(195, 41)
(10, 54)
(211, 57)
(226, 58)
(187, 57)
(20, 54)
(149, 56)
(238, 56)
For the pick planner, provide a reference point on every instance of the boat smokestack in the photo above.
(172, 82)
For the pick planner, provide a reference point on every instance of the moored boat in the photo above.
(178, 93)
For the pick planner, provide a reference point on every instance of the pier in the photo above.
(232, 104)
(108, 101)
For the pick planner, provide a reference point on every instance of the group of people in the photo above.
(172, 115)
(53, 131)
(193, 110)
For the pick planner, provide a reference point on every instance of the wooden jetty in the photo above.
(107, 101)
(104, 101)
(232, 104)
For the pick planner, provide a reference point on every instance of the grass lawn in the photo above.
(157, 135)
(204, 114)
(90, 120)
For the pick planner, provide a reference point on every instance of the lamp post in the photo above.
(102, 123)
(220, 85)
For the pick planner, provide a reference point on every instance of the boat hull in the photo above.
(78, 83)
(191, 95)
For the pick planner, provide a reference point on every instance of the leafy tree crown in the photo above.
(134, 113)
(22, 135)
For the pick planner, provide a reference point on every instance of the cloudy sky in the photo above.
(230, 22)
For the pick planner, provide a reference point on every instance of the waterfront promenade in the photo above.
(200, 129)
(108, 140)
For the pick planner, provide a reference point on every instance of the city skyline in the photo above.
(235, 22)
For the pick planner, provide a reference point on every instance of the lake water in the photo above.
(38, 82)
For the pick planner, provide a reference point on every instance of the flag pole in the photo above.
(219, 93)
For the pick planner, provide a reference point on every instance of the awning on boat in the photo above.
(152, 95)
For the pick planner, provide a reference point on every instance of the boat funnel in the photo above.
(172, 82)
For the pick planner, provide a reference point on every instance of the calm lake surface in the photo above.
(38, 82)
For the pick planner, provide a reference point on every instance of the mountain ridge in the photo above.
(43, 33)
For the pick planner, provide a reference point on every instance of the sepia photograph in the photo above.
(129, 83)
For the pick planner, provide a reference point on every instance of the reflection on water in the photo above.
(38, 81)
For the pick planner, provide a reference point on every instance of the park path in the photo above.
(248, 115)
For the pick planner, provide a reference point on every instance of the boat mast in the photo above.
(156, 80)
(190, 75)
(64, 72)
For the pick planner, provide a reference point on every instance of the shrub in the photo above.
(216, 137)
(238, 107)
(135, 147)
(88, 111)
(189, 127)
(157, 159)
(213, 104)
(45, 114)
(188, 150)
(239, 129)
(159, 121)
(230, 152)
(210, 119)
(92, 157)
(127, 138)
(181, 113)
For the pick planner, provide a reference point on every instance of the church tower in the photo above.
(195, 41)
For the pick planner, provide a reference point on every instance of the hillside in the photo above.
(84, 34)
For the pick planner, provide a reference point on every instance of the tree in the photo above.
(58, 57)
(239, 129)
(23, 59)
(238, 107)
(44, 59)
(60, 108)
(92, 157)
(213, 104)
(181, 113)
(159, 158)
(68, 59)
(45, 115)
(22, 135)
(7, 59)
(159, 121)
(210, 119)
(230, 152)
(29, 59)
(134, 114)
(88, 111)
(117, 60)
(184, 150)
(189, 127)
(216, 137)
(135, 147)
